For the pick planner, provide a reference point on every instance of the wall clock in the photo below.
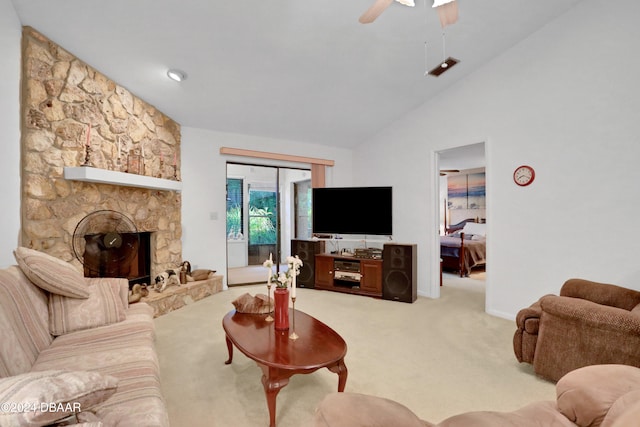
(524, 175)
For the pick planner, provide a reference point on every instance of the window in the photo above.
(302, 191)
(234, 207)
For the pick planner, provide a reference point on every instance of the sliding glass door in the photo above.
(262, 215)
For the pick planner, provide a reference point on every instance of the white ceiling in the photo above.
(292, 69)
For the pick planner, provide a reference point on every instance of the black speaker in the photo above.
(307, 251)
(399, 272)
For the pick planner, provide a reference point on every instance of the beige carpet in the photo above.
(438, 357)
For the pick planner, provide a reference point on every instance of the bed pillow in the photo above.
(50, 273)
(66, 391)
(103, 307)
(475, 229)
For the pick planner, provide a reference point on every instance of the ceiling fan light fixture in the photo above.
(177, 75)
(409, 3)
(438, 3)
(443, 66)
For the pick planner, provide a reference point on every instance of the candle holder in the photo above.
(293, 335)
(87, 156)
(269, 318)
(175, 172)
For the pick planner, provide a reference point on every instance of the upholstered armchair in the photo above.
(593, 396)
(589, 323)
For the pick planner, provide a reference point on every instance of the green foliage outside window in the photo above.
(234, 206)
(262, 229)
(262, 218)
(234, 219)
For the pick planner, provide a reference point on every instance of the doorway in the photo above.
(261, 217)
(461, 199)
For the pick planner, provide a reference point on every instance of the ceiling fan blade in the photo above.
(445, 172)
(447, 12)
(374, 11)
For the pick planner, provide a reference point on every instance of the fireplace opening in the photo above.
(130, 259)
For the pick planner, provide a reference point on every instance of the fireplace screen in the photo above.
(118, 255)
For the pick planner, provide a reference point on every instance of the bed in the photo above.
(464, 247)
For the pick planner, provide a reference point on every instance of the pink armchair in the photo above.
(593, 396)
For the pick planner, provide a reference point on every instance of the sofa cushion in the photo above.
(50, 273)
(585, 395)
(132, 359)
(24, 322)
(620, 407)
(61, 392)
(359, 410)
(629, 417)
(103, 307)
(544, 413)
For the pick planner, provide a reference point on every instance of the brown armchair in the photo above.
(588, 324)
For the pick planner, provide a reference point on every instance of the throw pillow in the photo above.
(50, 273)
(62, 392)
(103, 307)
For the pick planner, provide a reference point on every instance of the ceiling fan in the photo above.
(445, 172)
(447, 10)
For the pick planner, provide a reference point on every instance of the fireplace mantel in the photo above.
(103, 176)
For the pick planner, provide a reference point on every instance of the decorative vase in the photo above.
(281, 302)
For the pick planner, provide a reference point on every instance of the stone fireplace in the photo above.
(67, 105)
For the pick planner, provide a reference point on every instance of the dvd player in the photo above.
(352, 266)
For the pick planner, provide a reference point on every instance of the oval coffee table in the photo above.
(279, 357)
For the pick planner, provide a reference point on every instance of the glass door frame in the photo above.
(278, 255)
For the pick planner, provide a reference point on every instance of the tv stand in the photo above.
(349, 274)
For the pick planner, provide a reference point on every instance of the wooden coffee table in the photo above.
(280, 357)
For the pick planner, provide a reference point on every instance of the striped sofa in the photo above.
(72, 349)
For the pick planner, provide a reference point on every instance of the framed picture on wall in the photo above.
(476, 191)
(457, 192)
(134, 163)
(467, 191)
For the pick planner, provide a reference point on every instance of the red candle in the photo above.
(175, 159)
(89, 135)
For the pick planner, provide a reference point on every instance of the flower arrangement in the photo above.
(284, 279)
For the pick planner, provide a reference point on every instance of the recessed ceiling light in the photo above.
(177, 75)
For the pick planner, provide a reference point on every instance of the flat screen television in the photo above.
(352, 210)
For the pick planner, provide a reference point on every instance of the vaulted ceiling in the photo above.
(290, 69)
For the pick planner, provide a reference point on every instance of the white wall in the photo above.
(204, 179)
(10, 35)
(565, 101)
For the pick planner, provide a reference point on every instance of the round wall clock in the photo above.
(524, 175)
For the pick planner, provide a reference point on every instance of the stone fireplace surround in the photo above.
(60, 97)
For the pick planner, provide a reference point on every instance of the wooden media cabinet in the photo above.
(362, 276)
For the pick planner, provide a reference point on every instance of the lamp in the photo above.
(177, 75)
